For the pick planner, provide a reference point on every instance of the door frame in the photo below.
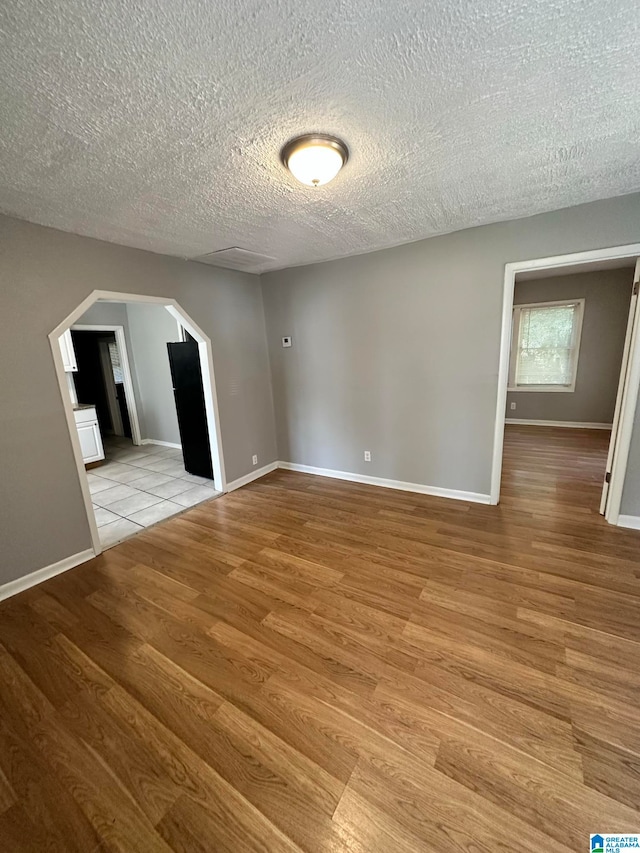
(621, 430)
(129, 393)
(208, 378)
(629, 403)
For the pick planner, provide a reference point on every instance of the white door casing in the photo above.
(619, 445)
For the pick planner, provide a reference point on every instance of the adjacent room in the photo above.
(569, 359)
(320, 427)
(134, 378)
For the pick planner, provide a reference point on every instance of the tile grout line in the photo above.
(180, 508)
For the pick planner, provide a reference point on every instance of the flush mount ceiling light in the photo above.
(315, 159)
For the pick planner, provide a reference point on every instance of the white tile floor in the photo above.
(136, 487)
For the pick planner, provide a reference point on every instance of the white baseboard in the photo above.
(563, 424)
(631, 521)
(161, 443)
(435, 491)
(40, 575)
(251, 476)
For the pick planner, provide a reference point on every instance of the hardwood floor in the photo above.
(311, 664)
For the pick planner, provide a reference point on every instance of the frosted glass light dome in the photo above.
(314, 160)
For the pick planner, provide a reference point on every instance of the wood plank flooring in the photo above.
(314, 665)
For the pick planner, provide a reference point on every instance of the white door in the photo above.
(68, 352)
(623, 384)
(90, 442)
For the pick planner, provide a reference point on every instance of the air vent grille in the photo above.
(235, 258)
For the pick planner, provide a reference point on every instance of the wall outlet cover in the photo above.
(367, 456)
(254, 459)
(513, 406)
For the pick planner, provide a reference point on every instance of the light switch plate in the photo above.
(286, 341)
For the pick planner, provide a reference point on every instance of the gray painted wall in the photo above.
(151, 327)
(606, 311)
(44, 275)
(397, 351)
(106, 314)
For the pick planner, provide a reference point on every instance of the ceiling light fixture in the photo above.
(315, 159)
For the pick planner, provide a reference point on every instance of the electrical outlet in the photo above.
(513, 406)
(367, 456)
(254, 459)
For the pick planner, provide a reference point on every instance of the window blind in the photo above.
(116, 366)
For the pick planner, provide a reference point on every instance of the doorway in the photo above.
(143, 466)
(528, 328)
(99, 376)
(554, 471)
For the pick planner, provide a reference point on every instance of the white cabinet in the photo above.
(89, 434)
(68, 352)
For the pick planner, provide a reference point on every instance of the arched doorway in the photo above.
(208, 381)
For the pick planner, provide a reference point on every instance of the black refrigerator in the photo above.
(188, 391)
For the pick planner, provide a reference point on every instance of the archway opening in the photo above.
(143, 477)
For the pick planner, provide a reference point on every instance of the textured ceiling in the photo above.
(158, 124)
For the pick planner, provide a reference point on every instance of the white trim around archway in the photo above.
(208, 380)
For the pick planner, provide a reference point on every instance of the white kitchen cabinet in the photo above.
(89, 434)
(68, 352)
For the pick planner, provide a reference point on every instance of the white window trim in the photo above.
(577, 336)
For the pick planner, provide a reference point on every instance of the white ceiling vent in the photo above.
(235, 258)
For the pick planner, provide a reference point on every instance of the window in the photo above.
(545, 346)
(114, 355)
